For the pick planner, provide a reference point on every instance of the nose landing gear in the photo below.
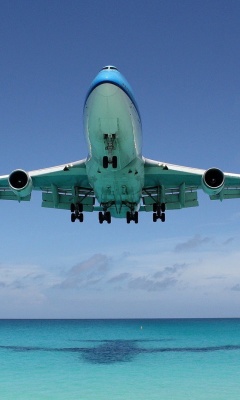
(110, 141)
(107, 160)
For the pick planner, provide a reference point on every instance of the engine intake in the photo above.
(213, 181)
(20, 183)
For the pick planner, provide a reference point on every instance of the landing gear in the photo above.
(159, 212)
(156, 217)
(132, 216)
(107, 161)
(76, 212)
(110, 141)
(104, 216)
(114, 162)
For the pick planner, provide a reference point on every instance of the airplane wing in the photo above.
(60, 186)
(176, 186)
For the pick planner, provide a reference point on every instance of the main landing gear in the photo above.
(159, 212)
(104, 216)
(132, 216)
(76, 212)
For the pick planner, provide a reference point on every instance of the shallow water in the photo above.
(120, 359)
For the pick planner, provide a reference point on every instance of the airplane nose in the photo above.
(106, 89)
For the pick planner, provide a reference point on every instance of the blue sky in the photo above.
(182, 59)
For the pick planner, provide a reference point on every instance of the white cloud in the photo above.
(192, 243)
(87, 273)
(151, 285)
(208, 271)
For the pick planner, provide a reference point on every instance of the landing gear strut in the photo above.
(159, 212)
(76, 212)
(110, 147)
(104, 216)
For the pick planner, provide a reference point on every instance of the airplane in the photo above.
(115, 179)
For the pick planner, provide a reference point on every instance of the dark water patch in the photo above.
(114, 340)
(118, 351)
(194, 349)
(112, 352)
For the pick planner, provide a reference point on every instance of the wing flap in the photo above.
(9, 195)
(174, 200)
(56, 199)
(227, 193)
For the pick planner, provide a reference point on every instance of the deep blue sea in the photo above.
(171, 359)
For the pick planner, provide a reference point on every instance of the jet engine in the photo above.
(213, 181)
(20, 183)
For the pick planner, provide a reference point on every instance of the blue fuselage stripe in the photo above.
(114, 79)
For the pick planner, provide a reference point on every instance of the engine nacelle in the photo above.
(213, 181)
(20, 183)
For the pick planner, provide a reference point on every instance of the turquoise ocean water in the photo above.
(120, 359)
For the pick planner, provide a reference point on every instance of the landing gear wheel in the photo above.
(159, 212)
(105, 162)
(100, 217)
(159, 207)
(108, 217)
(73, 217)
(136, 217)
(80, 207)
(76, 212)
(114, 162)
(132, 216)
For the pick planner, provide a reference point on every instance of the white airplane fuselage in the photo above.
(112, 125)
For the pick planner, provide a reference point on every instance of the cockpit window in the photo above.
(110, 67)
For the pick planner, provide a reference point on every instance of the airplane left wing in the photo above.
(176, 186)
(60, 186)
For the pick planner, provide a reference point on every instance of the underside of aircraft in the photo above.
(115, 180)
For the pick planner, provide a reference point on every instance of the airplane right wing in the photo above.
(176, 186)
